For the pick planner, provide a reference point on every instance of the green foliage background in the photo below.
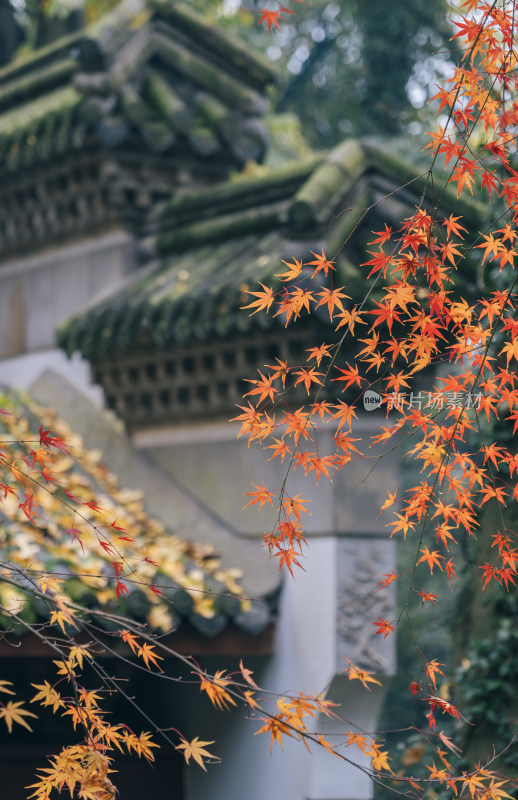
(350, 67)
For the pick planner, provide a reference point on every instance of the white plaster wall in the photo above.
(219, 469)
(306, 659)
(21, 372)
(322, 609)
(39, 292)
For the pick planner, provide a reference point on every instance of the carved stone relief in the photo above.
(361, 566)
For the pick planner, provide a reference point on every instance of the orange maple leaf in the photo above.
(332, 298)
(391, 499)
(318, 353)
(130, 639)
(428, 597)
(349, 376)
(294, 506)
(288, 558)
(359, 740)
(264, 301)
(261, 496)
(432, 557)
(308, 376)
(432, 669)
(384, 627)
(277, 727)
(263, 387)
(388, 578)
(361, 675)
(147, 654)
(321, 263)
(293, 272)
(215, 688)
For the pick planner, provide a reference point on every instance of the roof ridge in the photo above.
(99, 40)
(52, 76)
(394, 164)
(220, 41)
(221, 197)
(37, 59)
(216, 229)
(101, 32)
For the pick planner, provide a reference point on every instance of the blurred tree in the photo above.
(357, 63)
(353, 65)
(11, 32)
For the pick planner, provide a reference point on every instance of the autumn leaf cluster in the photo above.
(418, 318)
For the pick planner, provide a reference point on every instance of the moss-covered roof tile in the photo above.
(159, 66)
(63, 533)
(210, 247)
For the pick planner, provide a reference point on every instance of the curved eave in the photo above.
(232, 641)
(210, 261)
(196, 297)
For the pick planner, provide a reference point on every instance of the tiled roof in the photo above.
(155, 70)
(182, 570)
(207, 248)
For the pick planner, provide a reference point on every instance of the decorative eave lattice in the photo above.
(200, 381)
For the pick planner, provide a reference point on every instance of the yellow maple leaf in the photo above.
(196, 749)
(13, 712)
(146, 652)
(62, 617)
(47, 696)
(495, 792)
(77, 653)
(65, 669)
(327, 745)
(380, 758)
(250, 699)
(141, 744)
(49, 583)
(276, 727)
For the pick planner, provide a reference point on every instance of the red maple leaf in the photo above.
(270, 17)
(384, 627)
(288, 558)
(120, 589)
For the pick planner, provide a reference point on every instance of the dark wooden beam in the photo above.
(187, 641)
